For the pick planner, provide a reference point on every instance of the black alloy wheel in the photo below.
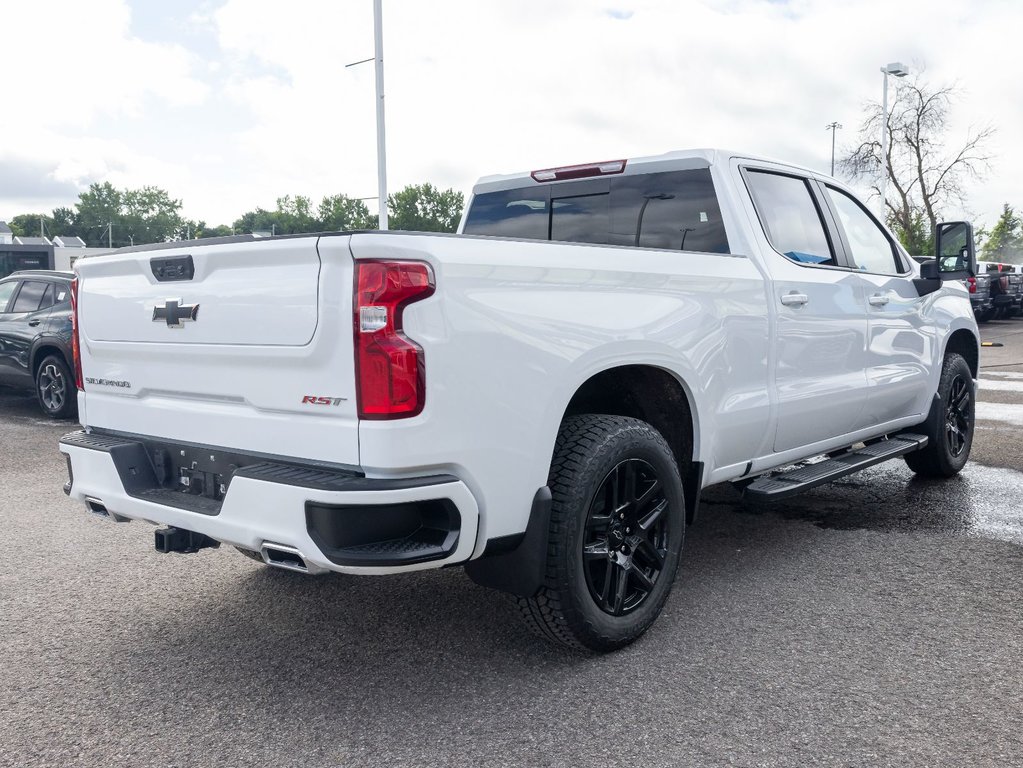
(617, 526)
(958, 415)
(626, 537)
(950, 423)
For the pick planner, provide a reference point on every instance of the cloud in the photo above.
(263, 105)
(36, 181)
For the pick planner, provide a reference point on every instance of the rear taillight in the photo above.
(971, 283)
(76, 347)
(389, 370)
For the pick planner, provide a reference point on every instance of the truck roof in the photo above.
(677, 160)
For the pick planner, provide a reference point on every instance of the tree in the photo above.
(924, 175)
(339, 213)
(149, 215)
(97, 208)
(424, 208)
(27, 225)
(1005, 240)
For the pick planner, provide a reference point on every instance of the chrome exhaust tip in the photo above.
(98, 508)
(283, 556)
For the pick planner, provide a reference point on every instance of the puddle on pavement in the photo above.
(980, 501)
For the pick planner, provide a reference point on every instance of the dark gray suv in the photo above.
(35, 338)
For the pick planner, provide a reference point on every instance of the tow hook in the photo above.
(180, 540)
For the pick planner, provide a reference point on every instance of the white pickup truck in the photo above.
(540, 398)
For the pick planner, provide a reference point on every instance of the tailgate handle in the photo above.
(170, 269)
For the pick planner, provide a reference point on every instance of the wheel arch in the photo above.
(964, 342)
(43, 348)
(646, 392)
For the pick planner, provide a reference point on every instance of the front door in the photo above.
(902, 337)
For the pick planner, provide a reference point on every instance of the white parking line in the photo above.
(1001, 386)
(1006, 413)
(1002, 374)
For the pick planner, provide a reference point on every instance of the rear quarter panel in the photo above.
(515, 328)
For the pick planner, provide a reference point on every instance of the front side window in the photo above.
(6, 291)
(790, 217)
(871, 250)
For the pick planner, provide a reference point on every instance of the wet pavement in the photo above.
(874, 621)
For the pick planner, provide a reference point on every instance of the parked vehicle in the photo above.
(35, 338)
(542, 401)
(1006, 288)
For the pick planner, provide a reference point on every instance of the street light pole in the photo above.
(832, 127)
(378, 61)
(378, 28)
(899, 70)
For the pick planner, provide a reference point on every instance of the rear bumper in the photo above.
(337, 520)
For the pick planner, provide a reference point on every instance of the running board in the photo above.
(784, 484)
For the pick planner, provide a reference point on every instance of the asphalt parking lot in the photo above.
(876, 621)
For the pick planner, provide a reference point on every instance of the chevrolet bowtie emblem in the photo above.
(175, 313)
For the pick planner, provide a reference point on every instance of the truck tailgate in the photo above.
(253, 351)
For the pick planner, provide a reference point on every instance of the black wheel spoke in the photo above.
(647, 495)
(596, 550)
(621, 580)
(653, 516)
(605, 593)
(650, 554)
(643, 581)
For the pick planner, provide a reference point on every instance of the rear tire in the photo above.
(55, 388)
(949, 427)
(616, 534)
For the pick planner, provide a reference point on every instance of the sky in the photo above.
(230, 104)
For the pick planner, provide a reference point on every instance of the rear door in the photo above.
(821, 330)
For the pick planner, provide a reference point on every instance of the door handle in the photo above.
(794, 299)
(878, 300)
(34, 323)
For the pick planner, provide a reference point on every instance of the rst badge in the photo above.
(175, 314)
(314, 400)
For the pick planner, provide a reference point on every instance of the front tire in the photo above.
(616, 534)
(949, 427)
(55, 388)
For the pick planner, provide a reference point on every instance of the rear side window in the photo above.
(675, 210)
(48, 299)
(790, 217)
(29, 296)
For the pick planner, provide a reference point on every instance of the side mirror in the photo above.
(954, 250)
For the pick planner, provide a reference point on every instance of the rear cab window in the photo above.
(671, 210)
